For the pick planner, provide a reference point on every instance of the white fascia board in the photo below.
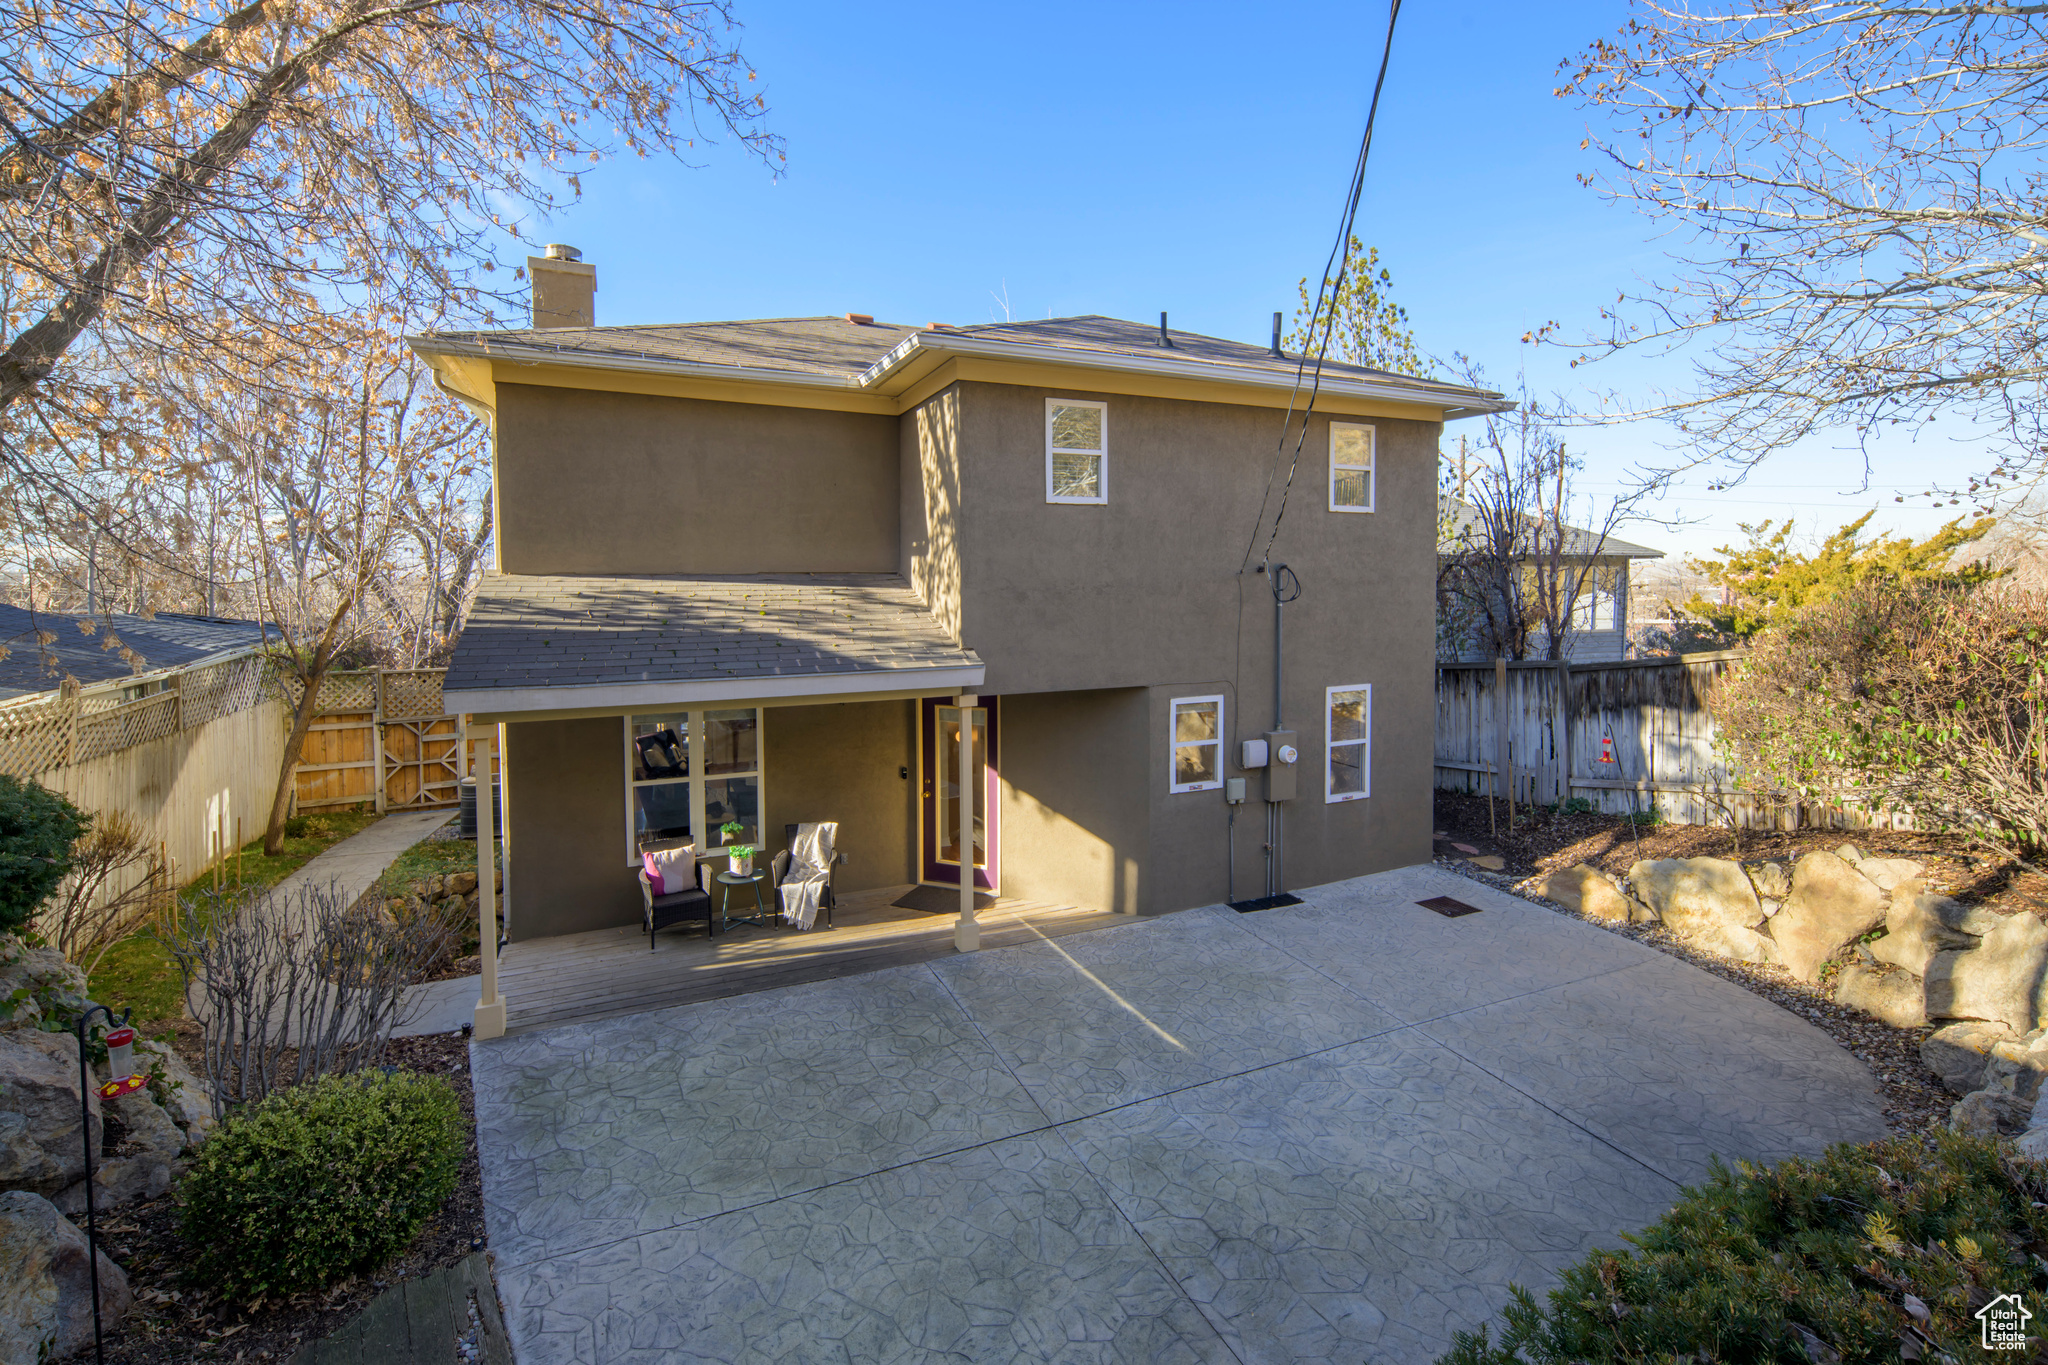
(684, 691)
(1455, 401)
(530, 353)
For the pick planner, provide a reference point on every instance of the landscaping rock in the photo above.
(143, 1146)
(2000, 979)
(2033, 1143)
(1773, 881)
(1889, 874)
(1958, 1053)
(184, 1096)
(461, 883)
(1849, 853)
(1696, 896)
(42, 973)
(39, 1084)
(1986, 1112)
(2018, 1066)
(1915, 931)
(46, 1282)
(1588, 891)
(1830, 905)
(1896, 997)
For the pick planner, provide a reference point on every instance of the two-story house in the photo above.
(757, 572)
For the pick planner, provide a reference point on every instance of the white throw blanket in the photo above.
(810, 871)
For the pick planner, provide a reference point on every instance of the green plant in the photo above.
(319, 1182)
(1872, 1252)
(1578, 805)
(1644, 819)
(37, 829)
(730, 831)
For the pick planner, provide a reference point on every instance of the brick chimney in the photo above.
(564, 288)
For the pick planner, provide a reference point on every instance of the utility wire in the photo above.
(1339, 260)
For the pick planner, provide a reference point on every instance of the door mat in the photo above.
(1448, 907)
(1265, 903)
(940, 900)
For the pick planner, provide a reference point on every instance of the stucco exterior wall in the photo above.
(565, 794)
(846, 762)
(929, 484)
(1071, 799)
(613, 483)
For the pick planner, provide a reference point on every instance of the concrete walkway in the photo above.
(1332, 1132)
(356, 862)
(447, 1317)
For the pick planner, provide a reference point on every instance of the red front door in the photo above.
(939, 757)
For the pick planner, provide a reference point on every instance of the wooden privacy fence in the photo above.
(1625, 736)
(381, 738)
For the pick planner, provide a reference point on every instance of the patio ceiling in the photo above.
(554, 643)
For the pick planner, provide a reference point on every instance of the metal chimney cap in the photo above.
(558, 251)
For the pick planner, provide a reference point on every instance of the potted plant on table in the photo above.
(740, 855)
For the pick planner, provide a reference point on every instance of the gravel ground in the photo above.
(174, 1321)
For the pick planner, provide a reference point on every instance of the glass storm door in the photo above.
(940, 748)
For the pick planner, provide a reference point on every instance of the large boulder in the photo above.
(2000, 979)
(141, 1162)
(1586, 890)
(1916, 927)
(1893, 996)
(39, 1087)
(1708, 901)
(1958, 1053)
(1889, 874)
(2033, 1143)
(1988, 1112)
(2017, 1065)
(183, 1094)
(43, 974)
(1771, 880)
(1831, 905)
(46, 1282)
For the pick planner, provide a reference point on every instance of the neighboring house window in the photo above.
(689, 774)
(1599, 604)
(1351, 467)
(1348, 752)
(1197, 744)
(1076, 450)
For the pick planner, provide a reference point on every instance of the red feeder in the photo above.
(1607, 748)
(121, 1064)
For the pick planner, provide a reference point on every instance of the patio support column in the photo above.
(966, 933)
(489, 1019)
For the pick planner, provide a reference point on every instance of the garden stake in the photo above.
(92, 1217)
(238, 850)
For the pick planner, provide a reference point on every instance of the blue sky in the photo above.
(1128, 158)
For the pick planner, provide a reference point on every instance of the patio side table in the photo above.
(726, 882)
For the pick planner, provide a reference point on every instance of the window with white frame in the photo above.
(1347, 764)
(1197, 744)
(1599, 605)
(688, 775)
(1351, 467)
(1076, 451)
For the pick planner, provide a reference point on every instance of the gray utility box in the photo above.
(1283, 763)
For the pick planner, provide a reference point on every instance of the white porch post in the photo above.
(966, 933)
(489, 1019)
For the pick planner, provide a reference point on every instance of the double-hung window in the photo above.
(689, 774)
(1197, 744)
(1352, 479)
(1347, 751)
(1076, 451)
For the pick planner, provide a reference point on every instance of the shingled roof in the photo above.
(552, 642)
(89, 647)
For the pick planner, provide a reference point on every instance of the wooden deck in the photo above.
(577, 977)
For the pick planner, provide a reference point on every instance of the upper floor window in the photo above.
(1076, 450)
(1197, 744)
(1351, 467)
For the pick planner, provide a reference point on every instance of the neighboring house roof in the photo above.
(887, 358)
(550, 642)
(1463, 520)
(166, 640)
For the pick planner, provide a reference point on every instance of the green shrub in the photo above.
(319, 1182)
(1871, 1253)
(37, 828)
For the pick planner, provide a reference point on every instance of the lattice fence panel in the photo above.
(413, 694)
(351, 691)
(34, 736)
(220, 690)
(127, 725)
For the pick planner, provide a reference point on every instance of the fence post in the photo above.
(1561, 732)
(1504, 760)
(377, 731)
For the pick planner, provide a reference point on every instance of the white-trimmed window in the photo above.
(1599, 606)
(1347, 750)
(689, 774)
(1197, 744)
(1352, 480)
(1076, 450)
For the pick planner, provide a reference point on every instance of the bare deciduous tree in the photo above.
(1854, 187)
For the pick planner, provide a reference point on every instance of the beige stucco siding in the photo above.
(929, 493)
(847, 762)
(565, 814)
(613, 483)
(1072, 802)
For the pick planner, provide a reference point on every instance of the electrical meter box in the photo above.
(1285, 763)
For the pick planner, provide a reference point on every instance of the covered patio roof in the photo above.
(553, 643)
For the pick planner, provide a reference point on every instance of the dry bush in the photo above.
(287, 987)
(1925, 697)
(119, 884)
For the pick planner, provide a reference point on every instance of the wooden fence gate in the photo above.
(381, 738)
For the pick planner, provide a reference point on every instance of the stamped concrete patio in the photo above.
(1335, 1132)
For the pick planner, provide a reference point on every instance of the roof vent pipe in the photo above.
(1278, 354)
(1164, 339)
